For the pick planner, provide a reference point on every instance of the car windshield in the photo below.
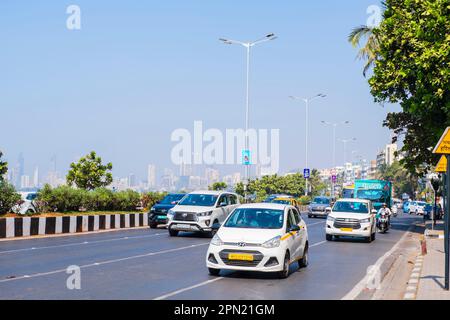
(281, 201)
(171, 198)
(255, 219)
(376, 195)
(353, 207)
(321, 201)
(204, 200)
(31, 196)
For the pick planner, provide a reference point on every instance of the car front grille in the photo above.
(185, 216)
(257, 257)
(347, 223)
(318, 209)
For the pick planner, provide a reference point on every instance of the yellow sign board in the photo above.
(442, 165)
(443, 146)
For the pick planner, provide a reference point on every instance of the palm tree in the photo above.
(369, 51)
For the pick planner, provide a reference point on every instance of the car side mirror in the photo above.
(216, 226)
(294, 228)
(223, 204)
(328, 209)
(158, 202)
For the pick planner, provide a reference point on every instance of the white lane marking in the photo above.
(361, 285)
(95, 264)
(318, 244)
(204, 283)
(81, 243)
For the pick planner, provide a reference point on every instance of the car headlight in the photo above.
(365, 220)
(216, 241)
(170, 214)
(330, 219)
(204, 214)
(152, 209)
(272, 243)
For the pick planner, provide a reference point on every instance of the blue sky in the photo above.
(138, 70)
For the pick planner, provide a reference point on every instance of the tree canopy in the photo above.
(218, 186)
(3, 167)
(89, 173)
(412, 68)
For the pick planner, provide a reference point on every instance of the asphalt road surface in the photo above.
(148, 264)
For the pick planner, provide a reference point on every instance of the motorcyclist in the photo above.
(384, 209)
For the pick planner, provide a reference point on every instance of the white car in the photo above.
(352, 217)
(262, 237)
(27, 206)
(198, 211)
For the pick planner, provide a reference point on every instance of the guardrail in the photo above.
(34, 226)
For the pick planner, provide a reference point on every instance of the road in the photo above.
(148, 264)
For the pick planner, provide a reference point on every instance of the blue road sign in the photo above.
(306, 173)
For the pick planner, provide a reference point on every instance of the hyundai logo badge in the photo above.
(241, 244)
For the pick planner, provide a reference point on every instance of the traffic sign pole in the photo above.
(446, 225)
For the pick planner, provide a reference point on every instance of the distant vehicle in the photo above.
(199, 211)
(260, 237)
(158, 213)
(397, 203)
(271, 197)
(287, 201)
(405, 206)
(348, 191)
(417, 207)
(318, 207)
(27, 205)
(377, 191)
(352, 217)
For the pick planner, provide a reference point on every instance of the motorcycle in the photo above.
(383, 223)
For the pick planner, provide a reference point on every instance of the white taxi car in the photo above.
(351, 217)
(199, 210)
(265, 237)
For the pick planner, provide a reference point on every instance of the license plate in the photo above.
(240, 256)
(183, 226)
(346, 229)
(161, 217)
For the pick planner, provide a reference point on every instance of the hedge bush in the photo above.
(8, 197)
(66, 199)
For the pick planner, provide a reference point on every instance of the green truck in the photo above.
(377, 191)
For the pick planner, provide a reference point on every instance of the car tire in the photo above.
(153, 225)
(212, 233)
(329, 237)
(214, 272)
(372, 238)
(285, 272)
(309, 215)
(173, 233)
(304, 261)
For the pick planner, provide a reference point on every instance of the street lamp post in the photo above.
(248, 46)
(307, 100)
(334, 125)
(345, 141)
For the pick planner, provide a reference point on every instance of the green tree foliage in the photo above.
(412, 68)
(3, 167)
(8, 197)
(218, 186)
(89, 173)
(402, 180)
(291, 184)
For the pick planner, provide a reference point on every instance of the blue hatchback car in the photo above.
(158, 213)
(406, 206)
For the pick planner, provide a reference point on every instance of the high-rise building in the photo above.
(25, 181)
(36, 177)
(387, 155)
(212, 175)
(151, 176)
(132, 180)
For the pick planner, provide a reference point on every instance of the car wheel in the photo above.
(329, 237)
(285, 272)
(173, 233)
(309, 216)
(303, 262)
(212, 233)
(214, 272)
(153, 225)
(373, 236)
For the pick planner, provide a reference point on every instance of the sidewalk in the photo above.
(431, 280)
